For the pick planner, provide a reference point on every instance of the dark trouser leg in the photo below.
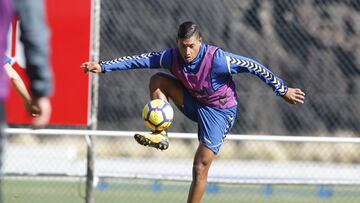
(2, 137)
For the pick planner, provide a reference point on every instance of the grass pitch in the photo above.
(146, 191)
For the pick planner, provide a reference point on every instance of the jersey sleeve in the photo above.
(238, 64)
(142, 61)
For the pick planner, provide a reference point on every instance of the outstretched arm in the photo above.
(239, 64)
(147, 60)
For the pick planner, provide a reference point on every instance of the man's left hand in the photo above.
(294, 96)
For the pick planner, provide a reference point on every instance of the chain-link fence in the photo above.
(311, 44)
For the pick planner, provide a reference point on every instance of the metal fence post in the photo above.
(93, 100)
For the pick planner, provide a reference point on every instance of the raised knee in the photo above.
(156, 79)
(161, 81)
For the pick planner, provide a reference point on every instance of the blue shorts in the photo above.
(213, 123)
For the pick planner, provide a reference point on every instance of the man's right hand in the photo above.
(44, 106)
(91, 67)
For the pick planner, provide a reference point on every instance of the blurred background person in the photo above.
(34, 36)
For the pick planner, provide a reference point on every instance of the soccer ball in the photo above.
(158, 114)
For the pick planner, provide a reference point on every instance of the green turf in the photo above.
(146, 191)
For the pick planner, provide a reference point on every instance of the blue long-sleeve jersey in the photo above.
(224, 65)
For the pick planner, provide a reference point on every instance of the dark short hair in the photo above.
(188, 29)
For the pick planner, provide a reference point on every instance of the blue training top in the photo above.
(224, 64)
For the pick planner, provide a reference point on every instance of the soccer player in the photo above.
(201, 86)
(34, 36)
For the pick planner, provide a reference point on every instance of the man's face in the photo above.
(189, 48)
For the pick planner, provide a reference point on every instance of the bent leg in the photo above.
(202, 161)
(164, 86)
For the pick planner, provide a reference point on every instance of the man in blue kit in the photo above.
(201, 86)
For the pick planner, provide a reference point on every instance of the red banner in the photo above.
(69, 22)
